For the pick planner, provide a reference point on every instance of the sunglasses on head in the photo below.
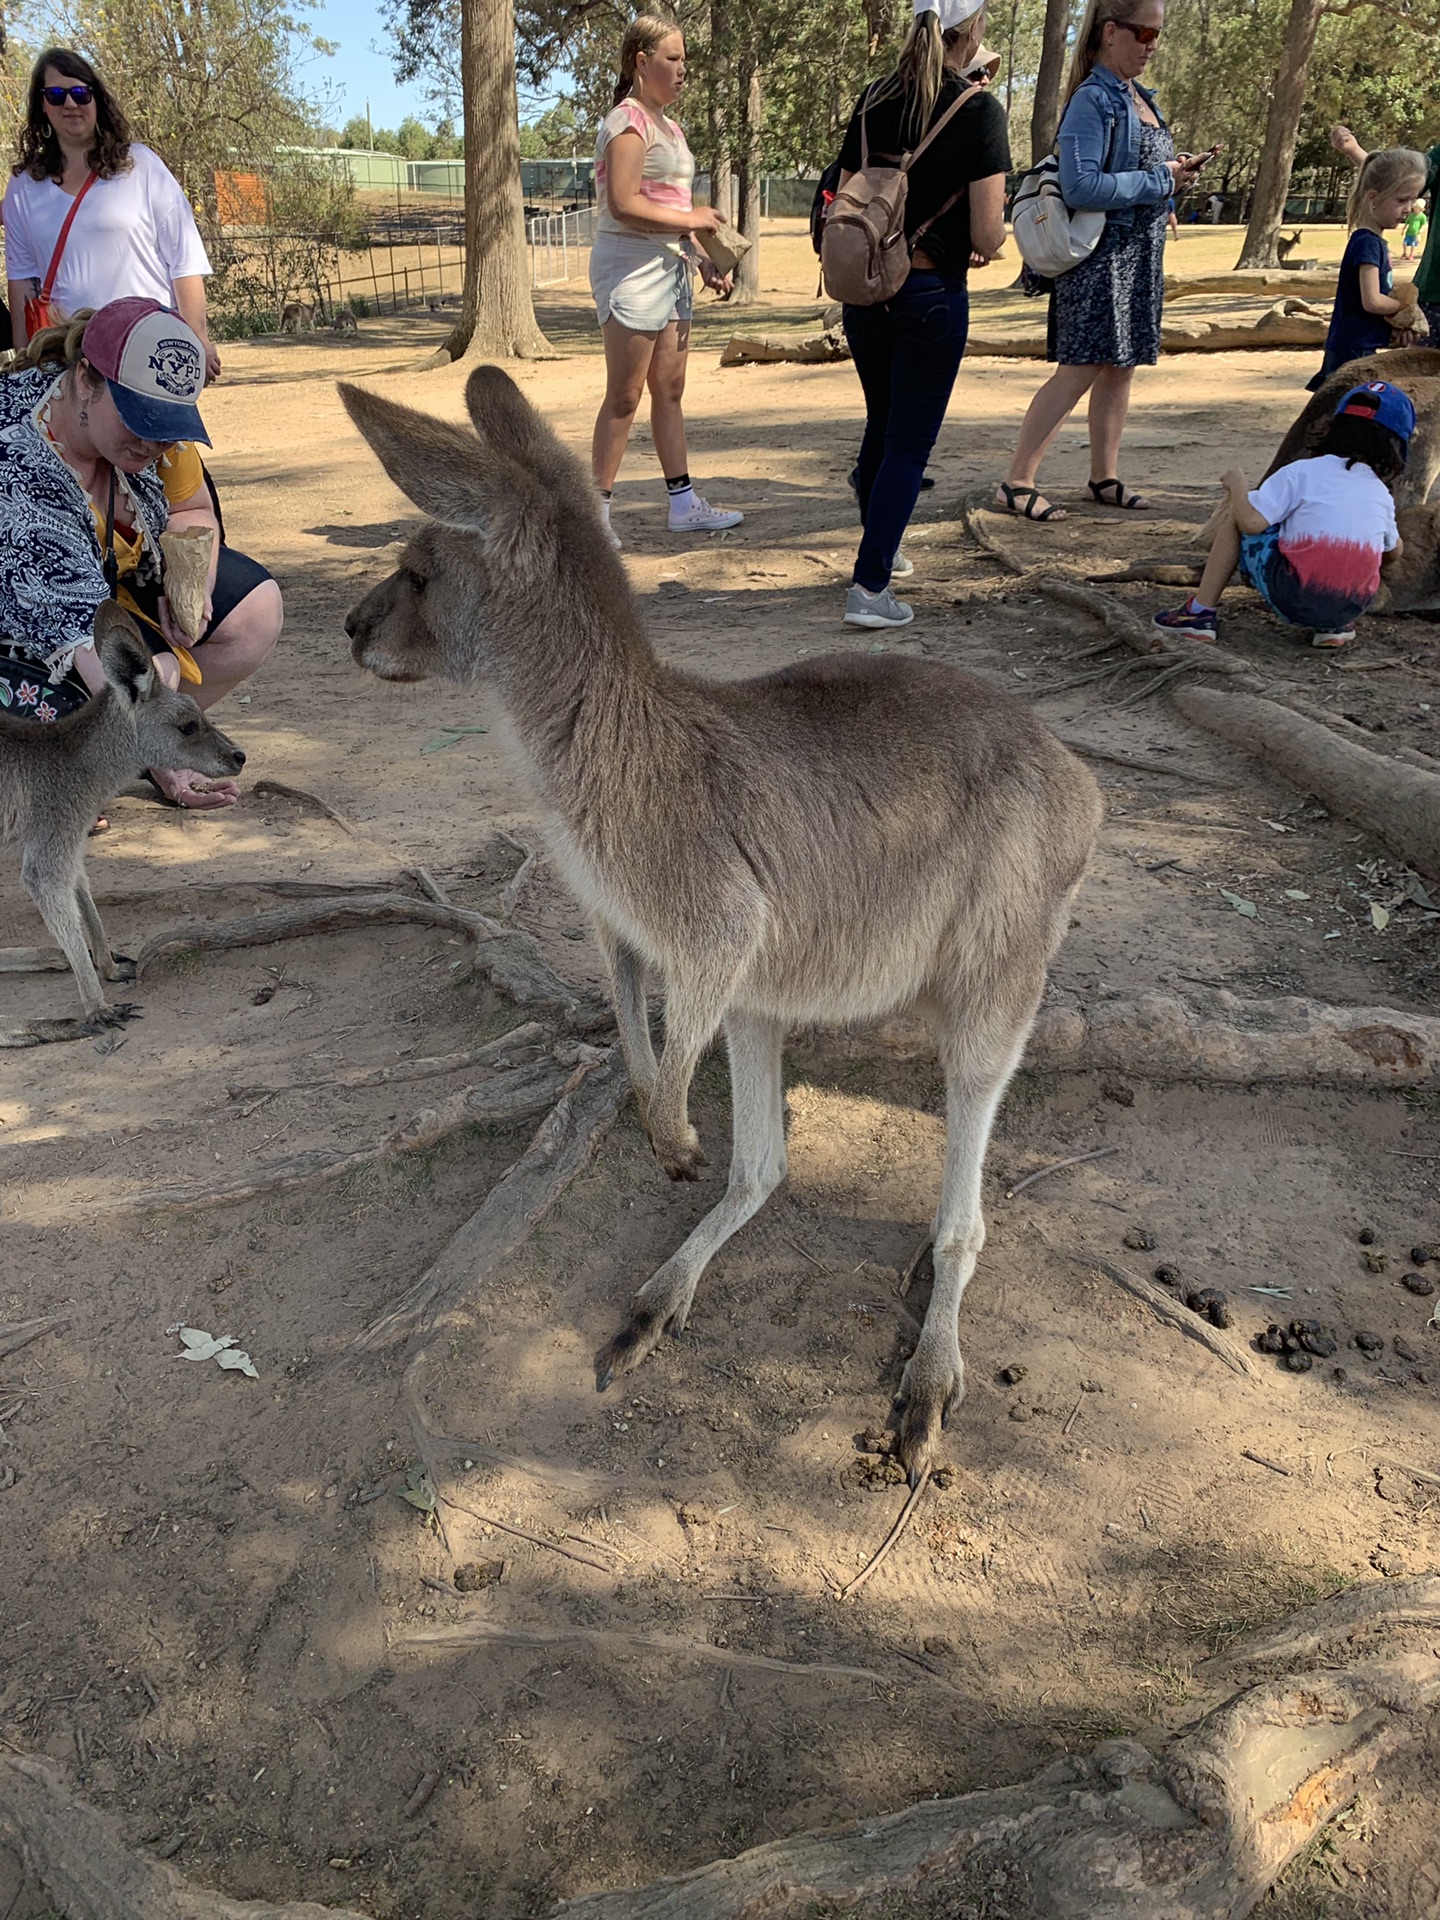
(1147, 36)
(57, 96)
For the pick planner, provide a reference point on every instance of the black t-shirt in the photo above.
(972, 146)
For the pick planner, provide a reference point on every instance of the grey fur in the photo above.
(842, 839)
(55, 779)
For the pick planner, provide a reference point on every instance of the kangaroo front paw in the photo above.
(929, 1394)
(683, 1158)
(112, 1016)
(121, 967)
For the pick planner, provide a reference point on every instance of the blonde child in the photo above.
(1388, 186)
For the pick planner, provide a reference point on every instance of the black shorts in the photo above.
(236, 577)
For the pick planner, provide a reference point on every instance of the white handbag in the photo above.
(1051, 238)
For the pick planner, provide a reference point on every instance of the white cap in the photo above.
(953, 13)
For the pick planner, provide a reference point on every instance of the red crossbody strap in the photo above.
(54, 267)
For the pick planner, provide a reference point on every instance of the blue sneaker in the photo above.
(1189, 622)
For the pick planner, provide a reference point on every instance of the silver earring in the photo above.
(84, 416)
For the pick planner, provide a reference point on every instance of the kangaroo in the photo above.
(54, 779)
(1416, 371)
(345, 322)
(832, 842)
(1287, 243)
(297, 317)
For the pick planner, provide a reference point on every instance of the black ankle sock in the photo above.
(680, 484)
(605, 492)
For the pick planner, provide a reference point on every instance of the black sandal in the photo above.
(1030, 495)
(1121, 497)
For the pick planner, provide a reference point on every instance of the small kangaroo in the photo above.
(1287, 243)
(54, 780)
(847, 837)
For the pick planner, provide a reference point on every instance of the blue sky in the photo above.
(361, 69)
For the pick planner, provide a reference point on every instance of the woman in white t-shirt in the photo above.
(135, 233)
(640, 269)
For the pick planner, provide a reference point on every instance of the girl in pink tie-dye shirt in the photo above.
(640, 269)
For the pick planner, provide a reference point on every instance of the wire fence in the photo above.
(557, 242)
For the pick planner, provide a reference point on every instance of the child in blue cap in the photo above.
(1310, 539)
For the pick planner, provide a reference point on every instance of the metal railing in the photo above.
(557, 241)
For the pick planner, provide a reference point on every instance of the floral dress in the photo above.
(1106, 311)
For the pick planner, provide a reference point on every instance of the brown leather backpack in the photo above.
(864, 254)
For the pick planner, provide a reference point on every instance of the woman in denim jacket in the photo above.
(1115, 155)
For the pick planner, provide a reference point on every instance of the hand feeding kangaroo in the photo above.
(54, 779)
(833, 842)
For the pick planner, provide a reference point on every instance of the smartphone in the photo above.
(1198, 160)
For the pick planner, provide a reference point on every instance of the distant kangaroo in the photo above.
(836, 841)
(54, 779)
(1287, 243)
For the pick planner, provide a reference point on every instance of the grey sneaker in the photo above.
(864, 609)
(902, 567)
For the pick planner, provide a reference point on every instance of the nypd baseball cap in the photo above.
(1387, 406)
(154, 366)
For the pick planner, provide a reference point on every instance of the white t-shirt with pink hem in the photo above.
(669, 170)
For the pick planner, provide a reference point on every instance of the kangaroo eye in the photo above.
(190, 728)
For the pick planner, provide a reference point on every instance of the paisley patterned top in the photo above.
(51, 577)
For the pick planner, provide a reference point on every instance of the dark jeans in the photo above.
(907, 354)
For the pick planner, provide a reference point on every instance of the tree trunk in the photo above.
(497, 315)
(722, 163)
(1045, 114)
(747, 274)
(1282, 128)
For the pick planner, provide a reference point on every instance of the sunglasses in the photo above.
(57, 96)
(1147, 36)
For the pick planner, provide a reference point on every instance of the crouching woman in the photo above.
(98, 459)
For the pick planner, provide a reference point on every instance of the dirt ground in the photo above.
(215, 1598)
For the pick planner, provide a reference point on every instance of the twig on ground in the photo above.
(882, 1551)
(420, 1798)
(284, 791)
(1135, 763)
(805, 1253)
(523, 1533)
(1415, 1473)
(1043, 1173)
(517, 883)
(428, 1067)
(19, 1333)
(1370, 666)
(1174, 1314)
(1404, 1153)
(1247, 1453)
(563, 1144)
(1072, 1416)
(503, 1100)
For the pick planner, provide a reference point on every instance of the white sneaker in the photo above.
(698, 516)
(882, 609)
(902, 567)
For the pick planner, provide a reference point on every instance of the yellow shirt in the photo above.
(182, 476)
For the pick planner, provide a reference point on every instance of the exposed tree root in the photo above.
(479, 1633)
(88, 1874)
(1175, 1314)
(15, 1334)
(1349, 1623)
(971, 508)
(306, 798)
(512, 961)
(428, 1067)
(501, 1101)
(1230, 1042)
(1396, 802)
(565, 1141)
(1198, 1831)
(33, 960)
(1136, 763)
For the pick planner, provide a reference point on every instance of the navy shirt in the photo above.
(1354, 332)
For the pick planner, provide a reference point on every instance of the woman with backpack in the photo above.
(1116, 155)
(907, 349)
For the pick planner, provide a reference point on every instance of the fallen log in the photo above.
(1158, 1036)
(1199, 1830)
(1396, 802)
(567, 1137)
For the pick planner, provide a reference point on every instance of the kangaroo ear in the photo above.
(443, 469)
(510, 425)
(123, 654)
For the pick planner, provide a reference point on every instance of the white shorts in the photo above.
(641, 282)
